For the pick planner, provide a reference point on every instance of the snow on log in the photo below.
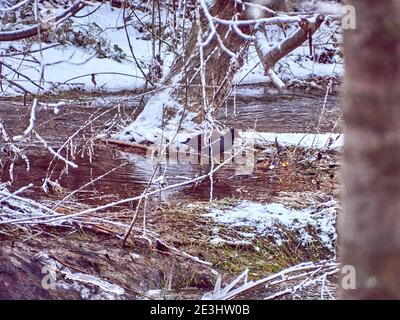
(269, 56)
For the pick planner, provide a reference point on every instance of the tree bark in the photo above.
(369, 229)
(183, 102)
(219, 67)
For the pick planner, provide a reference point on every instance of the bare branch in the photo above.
(40, 27)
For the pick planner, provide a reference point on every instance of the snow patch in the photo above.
(275, 219)
(70, 67)
(304, 140)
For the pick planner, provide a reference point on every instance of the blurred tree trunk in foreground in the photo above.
(370, 225)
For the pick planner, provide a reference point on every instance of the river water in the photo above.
(264, 109)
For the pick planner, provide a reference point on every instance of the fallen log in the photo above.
(127, 144)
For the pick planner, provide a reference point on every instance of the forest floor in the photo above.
(282, 214)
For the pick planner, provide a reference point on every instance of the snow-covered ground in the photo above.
(70, 67)
(275, 220)
(304, 140)
(294, 66)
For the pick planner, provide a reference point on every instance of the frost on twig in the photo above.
(16, 208)
(17, 152)
(293, 280)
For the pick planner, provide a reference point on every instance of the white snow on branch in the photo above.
(309, 273)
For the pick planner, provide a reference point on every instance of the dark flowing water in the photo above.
(269, 111)
(272, 112)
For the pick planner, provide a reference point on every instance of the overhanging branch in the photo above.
(40, 27)
(270, 56)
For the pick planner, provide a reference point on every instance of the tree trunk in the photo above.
(370, 226)
(181, 102)
(216, 60)
(190, 97)
(220, 67)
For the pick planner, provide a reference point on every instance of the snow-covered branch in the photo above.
(42, 26)
(269, 56)
(307, 273)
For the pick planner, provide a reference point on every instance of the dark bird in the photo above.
(94, 80)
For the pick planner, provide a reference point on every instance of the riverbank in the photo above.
(178, 246)
(281, 214)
